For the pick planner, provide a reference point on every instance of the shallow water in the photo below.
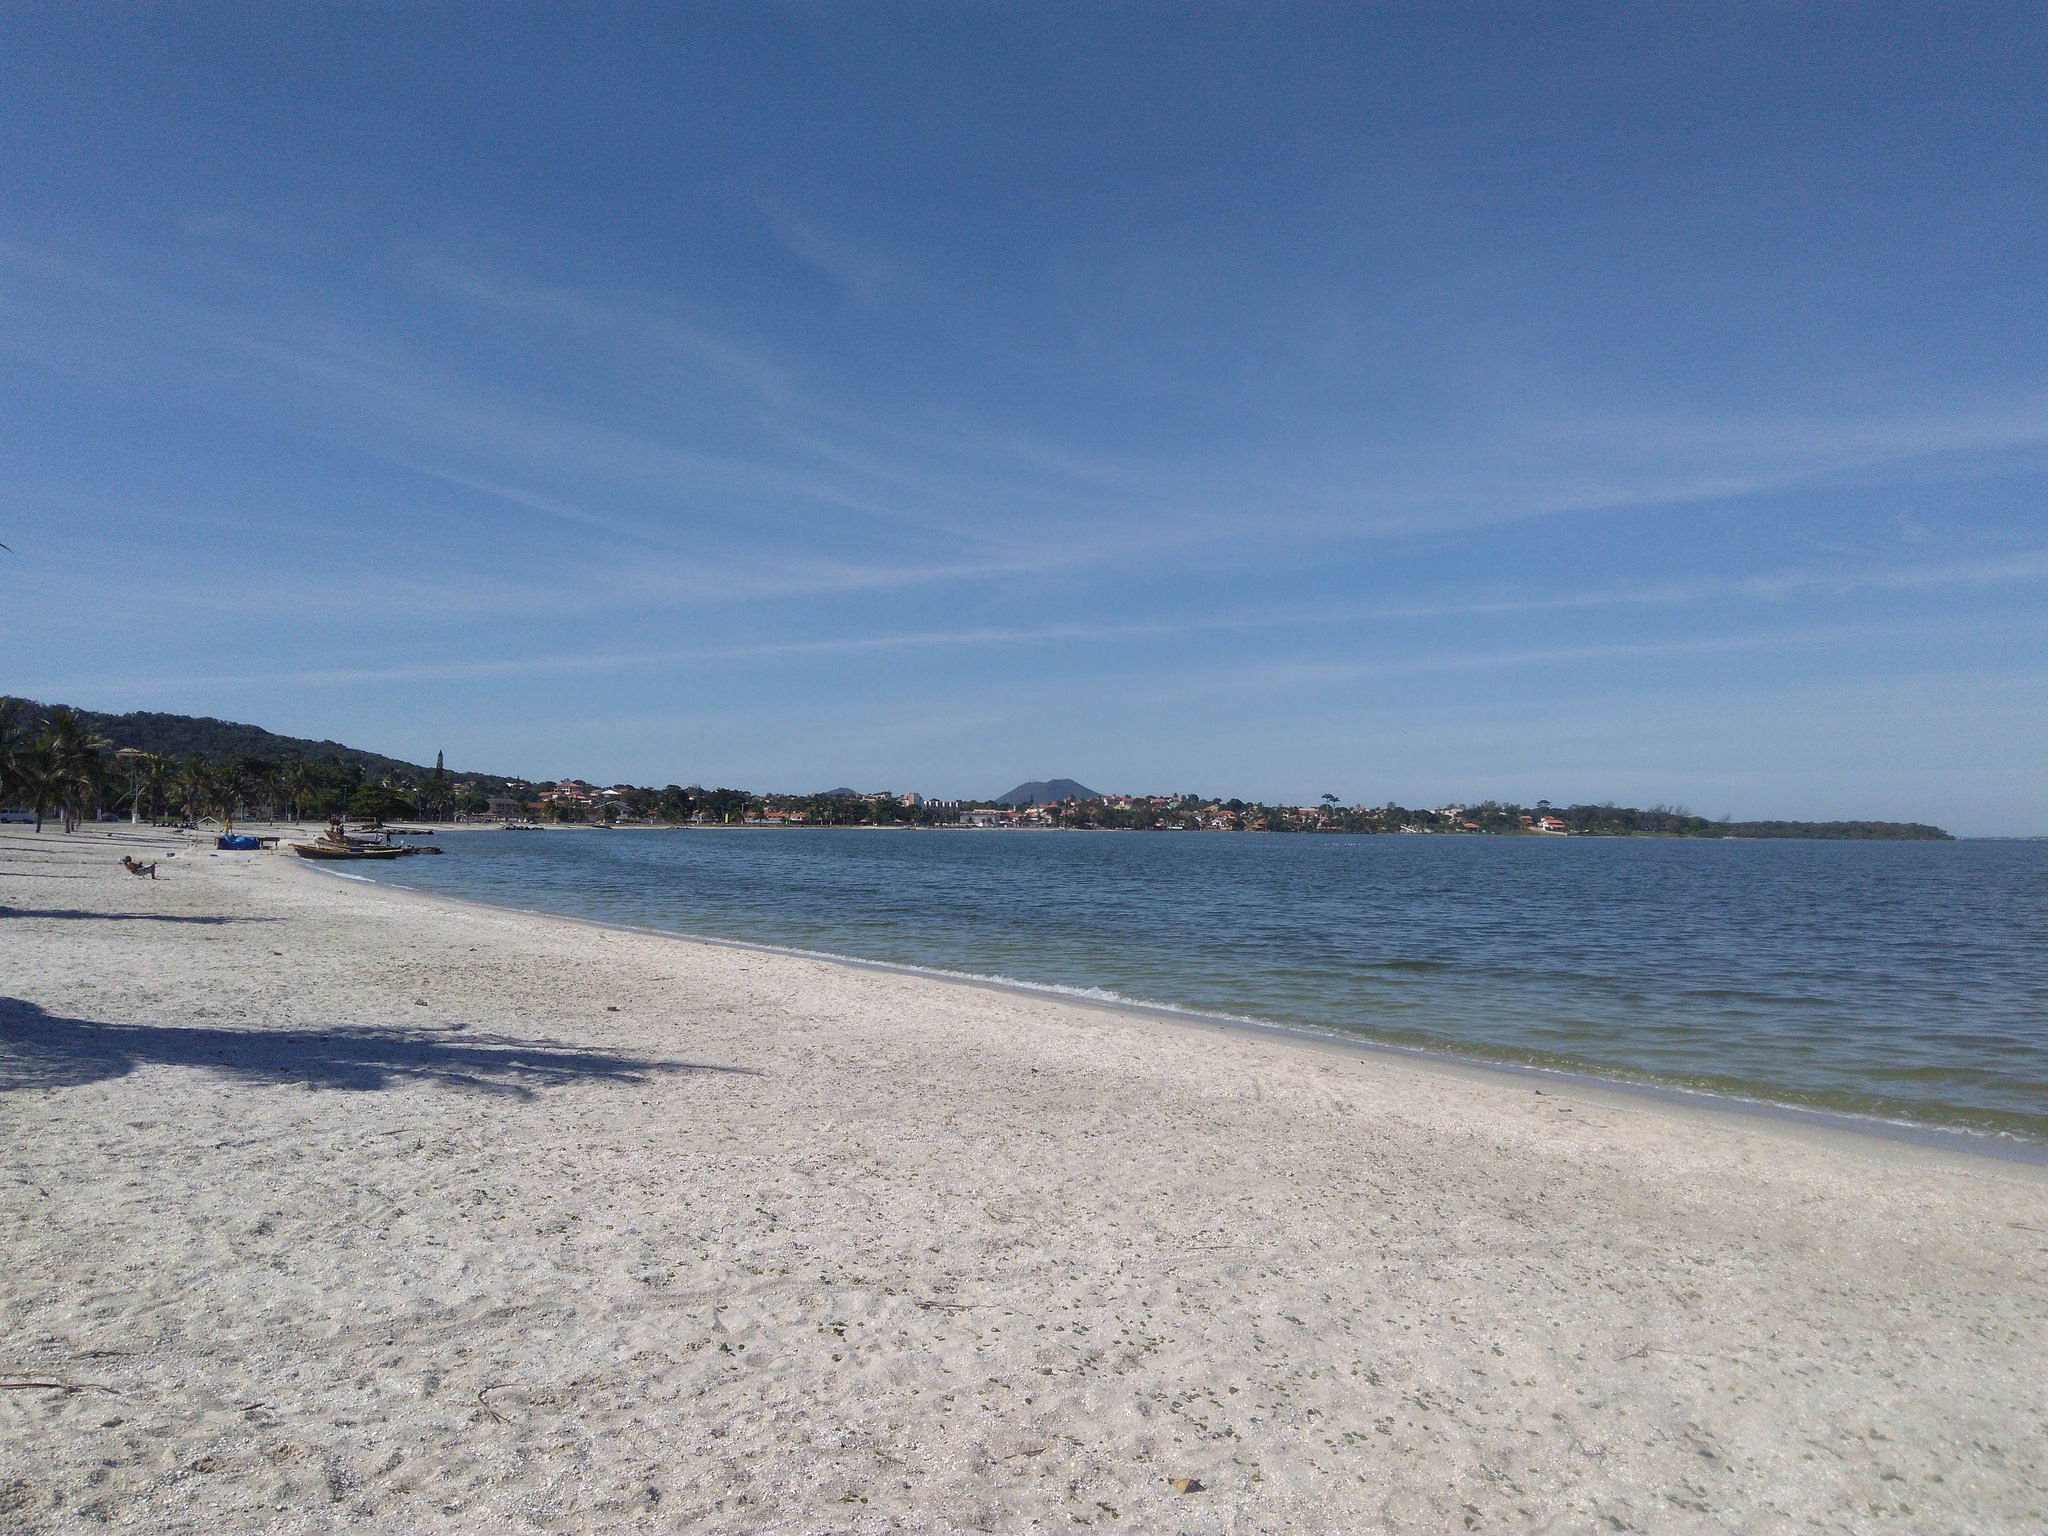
(1906, 981)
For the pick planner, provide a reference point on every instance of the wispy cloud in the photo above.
(657, 579)
(1299, 673)
(532, 666)
(1764, 587)
(935, 468)
(1773, 587)
(862, 272)
(689, 433)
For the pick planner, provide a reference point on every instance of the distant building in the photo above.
(503, 806)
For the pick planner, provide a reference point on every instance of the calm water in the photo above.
(1903, 980)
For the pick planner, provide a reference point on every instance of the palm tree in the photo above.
(295, 783)
(149, 775)
(256, 782)
(233, 783)
(32, 767)
(198, 787)
(11, 742)
(435, 794)
(75, 764)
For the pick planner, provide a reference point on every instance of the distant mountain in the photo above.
(1047, 792)
(202, 736)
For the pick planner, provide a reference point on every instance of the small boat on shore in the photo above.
(338, 843)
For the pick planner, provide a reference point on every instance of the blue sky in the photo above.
(1407, 401)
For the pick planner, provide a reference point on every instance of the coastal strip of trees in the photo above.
(1192, 813)
(1488, 818)
(57, 763)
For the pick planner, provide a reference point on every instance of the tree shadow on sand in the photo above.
(43, 1050)
(126, 917)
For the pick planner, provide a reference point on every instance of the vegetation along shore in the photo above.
(55, 760)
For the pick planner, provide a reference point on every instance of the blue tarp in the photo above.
(238, 841)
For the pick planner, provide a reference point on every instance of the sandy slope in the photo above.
(333, 1209)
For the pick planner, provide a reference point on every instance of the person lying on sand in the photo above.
(128, 863)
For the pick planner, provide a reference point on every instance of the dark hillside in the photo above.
(1047, 792)
(181, 736)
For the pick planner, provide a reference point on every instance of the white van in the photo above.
(28, 816)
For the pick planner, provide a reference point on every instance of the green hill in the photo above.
(180, 736)
(1047, 792)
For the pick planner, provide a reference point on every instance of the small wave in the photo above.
(1548, 1037)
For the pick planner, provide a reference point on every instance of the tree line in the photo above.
(55, 765)
(677, 805)
(1495, 817)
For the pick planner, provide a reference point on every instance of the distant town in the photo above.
(79, 765)
(573, 801)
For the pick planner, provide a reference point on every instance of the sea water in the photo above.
(1905, 982)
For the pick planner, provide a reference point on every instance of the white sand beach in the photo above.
(334, 1208)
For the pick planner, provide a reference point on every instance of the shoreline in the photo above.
(1618, 837)
(343, 1207)
(1999, 1147)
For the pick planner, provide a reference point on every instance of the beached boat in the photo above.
(331, 851)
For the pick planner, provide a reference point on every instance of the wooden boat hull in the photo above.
(313, 851)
